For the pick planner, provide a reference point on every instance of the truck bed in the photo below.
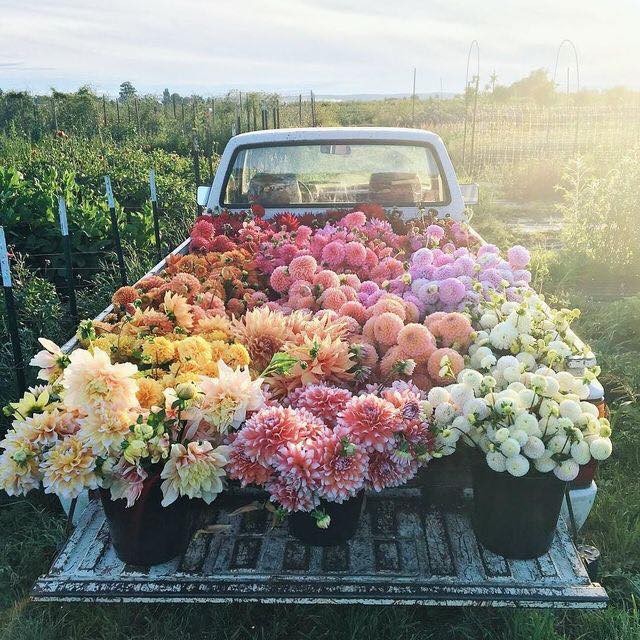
(405, 552)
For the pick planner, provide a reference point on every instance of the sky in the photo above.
(290, 46)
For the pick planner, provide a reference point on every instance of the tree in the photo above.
(127, 91)
(166, 97)
(537, 86)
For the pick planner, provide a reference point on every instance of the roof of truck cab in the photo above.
(334, 134)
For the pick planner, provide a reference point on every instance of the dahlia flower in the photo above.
(343, 468)
(369, 421)
(233, 388)
(124, 480)
(105, 431)
(196, 471)
(247, 471)
(322, 401)
(68, 468)
(92, 383)
(178, 310)
(386, 470)
(20, 471)
(271, 428)
(51, 360)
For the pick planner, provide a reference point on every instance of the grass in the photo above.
(32, 529)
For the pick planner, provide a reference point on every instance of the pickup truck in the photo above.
(406, 553)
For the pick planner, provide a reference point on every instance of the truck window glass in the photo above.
(322, 174)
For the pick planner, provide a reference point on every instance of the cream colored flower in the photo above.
(51, 360)
(93, 384)
(68, 468)
(195, 471)
(18, 478)
(226, 399)
(104, 432)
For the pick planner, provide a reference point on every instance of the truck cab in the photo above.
(312, 170)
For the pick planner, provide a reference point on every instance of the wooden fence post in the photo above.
(12, 316)
(154, 208)
(116, 231)
(66, 244)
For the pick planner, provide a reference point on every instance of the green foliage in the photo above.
(601, 213)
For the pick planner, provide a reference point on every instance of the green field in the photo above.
(593, 263)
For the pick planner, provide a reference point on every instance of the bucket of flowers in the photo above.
(532, 431)
(155, 452)
(316, 455)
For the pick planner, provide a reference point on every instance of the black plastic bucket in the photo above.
(148, 533)
(343, 525)
(515, 517)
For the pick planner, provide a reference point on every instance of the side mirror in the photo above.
(470, 193)
(203, 195)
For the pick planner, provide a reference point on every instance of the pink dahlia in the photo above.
(272, 428)
(247, 471)
(280, 279)
(369, 421)
(343, 468)
(322, 401)
(354, 310)
(332, 298)
(434, 233)
(355, 254)
(453, 329)
(353, 220)
(293, 494)
(334, 253)
(386, 328)
(303, 268)
(387, 470)
(300, 461)
(326, 279)
(416, 341)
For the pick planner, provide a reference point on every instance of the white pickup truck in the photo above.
(407, 553)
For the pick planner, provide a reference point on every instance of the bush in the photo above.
(601, 214)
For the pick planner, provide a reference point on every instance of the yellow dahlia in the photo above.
(92, 383)
(193, 349)
(157, 351)
(149, 393)
(68, 468)
(195, 471)
(263, 332)
(236, 355)
(213, 323)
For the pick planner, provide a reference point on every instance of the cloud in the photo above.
(292, 45)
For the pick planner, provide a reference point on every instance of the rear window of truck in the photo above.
(327, 174)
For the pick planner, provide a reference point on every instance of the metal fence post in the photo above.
(154, 208)
(12, 316)
(66, 244)
(116, 231)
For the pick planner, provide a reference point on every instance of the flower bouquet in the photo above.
(533, 431)
(149, 448)
(316, 455)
